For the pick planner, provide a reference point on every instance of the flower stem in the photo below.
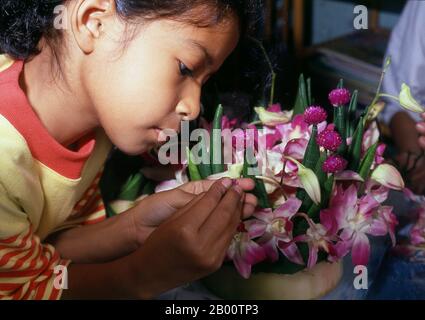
(378, 90)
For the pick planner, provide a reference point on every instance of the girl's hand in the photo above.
(154, 210)
(420, 127)
(190, 245)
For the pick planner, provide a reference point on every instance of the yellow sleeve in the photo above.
(27, 267)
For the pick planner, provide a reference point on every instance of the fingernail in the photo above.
(227, 183)
(420, 126)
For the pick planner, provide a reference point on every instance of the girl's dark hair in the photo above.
(24, 22)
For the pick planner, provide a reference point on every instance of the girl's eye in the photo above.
(185, 71)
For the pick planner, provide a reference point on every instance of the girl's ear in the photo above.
(88, 19)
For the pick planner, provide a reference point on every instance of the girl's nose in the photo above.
(189, 106)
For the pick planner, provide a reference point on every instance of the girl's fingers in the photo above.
(246, 184)
(208, 203)
(187, 207)
(227, 214)
(202, 186)
(226, 236)
(248, 210)
(423, 116)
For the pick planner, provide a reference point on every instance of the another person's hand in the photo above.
(421, 129)
(158, 208)
(415, 178)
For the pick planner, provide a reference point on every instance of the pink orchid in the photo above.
(376, 190)
(296, 129)
(275, 228)
(370, 137)
(295, 149)
(385, 222)
(320, 236)
(417, 235)
(356, 218)
(244, 251)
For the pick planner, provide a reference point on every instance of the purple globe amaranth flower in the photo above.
(334, 164)
(315, 115)
(329, 139)
(339, 97)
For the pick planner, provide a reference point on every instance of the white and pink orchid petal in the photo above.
(242, 267)
(265, 215)
(296, 148)
(378, 191)
(288, 209)
(312, 255)
(348, 175)
(255, 228)
(361, 249)
(388, 176)
(344, 204)
(270, 249)
(378, 228)
(417, 235)
(290, 251)
(367, 204)
(327, 219)
(252, 252)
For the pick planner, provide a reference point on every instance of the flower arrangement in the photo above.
(320, 177)
(321, 184)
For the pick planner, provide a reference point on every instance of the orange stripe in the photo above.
(20, 245)
(5, 259)
(29, 273)
(41, 289)
(25, 258)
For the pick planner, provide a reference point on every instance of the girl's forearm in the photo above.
(111, 280)
(102, 242)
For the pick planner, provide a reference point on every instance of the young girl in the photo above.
(115, 72)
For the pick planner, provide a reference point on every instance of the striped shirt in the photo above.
(44, 188)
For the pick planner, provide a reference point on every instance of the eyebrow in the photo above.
(208, 56)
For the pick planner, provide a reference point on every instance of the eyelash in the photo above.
(184, 70)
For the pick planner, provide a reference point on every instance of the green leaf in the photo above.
(340, 122)
(130, 190)
(193, 168)
(354, 153)
(301, 102)
(312, 153)
(352, 110)
(367, 162)
(328, 191)
(217, 165)
(260, 189)
(340, 84)
(204, 168)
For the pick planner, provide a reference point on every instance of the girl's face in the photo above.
(156, 82)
